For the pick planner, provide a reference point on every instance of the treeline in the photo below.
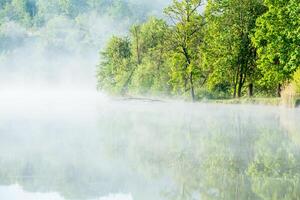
(231, 49)
(37, 12)
(66, 25)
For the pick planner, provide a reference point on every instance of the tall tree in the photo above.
(136, 64)
(228, 51)
(278, 42)
(115, 67)
(151, 75)
(184, 40)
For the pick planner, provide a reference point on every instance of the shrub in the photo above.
(291, 93)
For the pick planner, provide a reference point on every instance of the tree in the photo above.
(143, 54)
(115, 67)
(228, 52)
(16, 10)
(152, 73)
(278, 42)
(183, 40)
(216, 55)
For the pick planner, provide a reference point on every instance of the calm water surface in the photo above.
(88, 147)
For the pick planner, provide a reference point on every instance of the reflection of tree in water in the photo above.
(165, 154)
(275, 170)
(235, 158)
(289, 119)
(60, 164)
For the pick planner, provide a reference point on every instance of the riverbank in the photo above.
(272, 101)
(257, 101)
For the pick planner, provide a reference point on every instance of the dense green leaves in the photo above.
(136, 65)
(148, 46)
(228, 52)
(116, 64)
(183, 42)
(277, 38)
(235, 47)
(166, 57)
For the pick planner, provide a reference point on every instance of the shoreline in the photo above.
(268, 101)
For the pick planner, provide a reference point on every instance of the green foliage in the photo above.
(151, 75)
(277, 40)
(145, 70)
(38, 12)
(115, 66)
(184, 39)
(217, 55)
(234, 46)
(227, 51)
(16, 10)
(166, 57)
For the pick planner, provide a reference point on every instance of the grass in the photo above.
(255, 101)
(271, 101)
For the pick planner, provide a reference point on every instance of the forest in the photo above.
(191, 49)
(66, 25)
(208, 50)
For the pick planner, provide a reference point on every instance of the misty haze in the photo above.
(149, 100)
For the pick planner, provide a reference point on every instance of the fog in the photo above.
(63, 140)
(80, 146)
(15, 192)
(56, 55)
(47, 76)
(64, 51)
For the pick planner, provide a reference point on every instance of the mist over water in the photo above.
(85, 146)
(60, 139)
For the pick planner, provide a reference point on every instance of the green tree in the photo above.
(146, 71)
(183, 41)
(152, 73)
(227, 51)
(115, 67)
(278, 42)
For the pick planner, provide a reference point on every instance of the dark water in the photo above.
(78, 148)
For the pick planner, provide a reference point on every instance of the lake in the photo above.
(83, 145)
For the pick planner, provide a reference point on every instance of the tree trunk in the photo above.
(125, 86)
(192, 86)
(240, 86)
(137, 48)
(234, 91)
(279, 90)
(250, 90)
(235, 82)
(242, 78)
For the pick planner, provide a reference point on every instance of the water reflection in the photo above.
(15, 192)
(154, 151)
